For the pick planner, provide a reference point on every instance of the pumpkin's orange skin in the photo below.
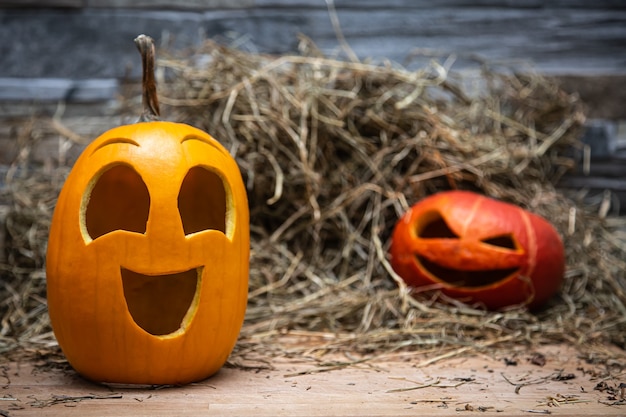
(537, 262)
(85, 296)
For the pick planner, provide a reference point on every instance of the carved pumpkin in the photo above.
(478, 249)
(148, 253)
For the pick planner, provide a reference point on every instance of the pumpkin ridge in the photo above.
(472, 214)
(532, 243)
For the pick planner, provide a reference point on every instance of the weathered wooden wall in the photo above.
(79, 51)
(59, 42)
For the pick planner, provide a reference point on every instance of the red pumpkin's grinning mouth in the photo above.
(460, 278)
(161, 304)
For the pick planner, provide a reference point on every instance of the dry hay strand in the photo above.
(334, 152)
(27, 198)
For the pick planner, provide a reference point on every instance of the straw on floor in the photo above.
(333, 152)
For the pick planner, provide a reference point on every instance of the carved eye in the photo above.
(119, 200)
(436, 228)
(505, 241)
(202, 201)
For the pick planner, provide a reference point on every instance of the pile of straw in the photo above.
(333, 152)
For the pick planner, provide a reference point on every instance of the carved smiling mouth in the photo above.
(459, 278)
(161, 304)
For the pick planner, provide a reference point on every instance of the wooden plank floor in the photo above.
(565, 385)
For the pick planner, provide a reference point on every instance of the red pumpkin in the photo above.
(478, 250)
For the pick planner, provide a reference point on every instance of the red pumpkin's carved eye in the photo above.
(119, 200)
(506, 242)
(436, 227)
(202, 201)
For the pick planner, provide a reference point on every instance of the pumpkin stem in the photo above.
(151, 112)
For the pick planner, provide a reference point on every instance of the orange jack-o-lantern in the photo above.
(148, 253)
(478, 249)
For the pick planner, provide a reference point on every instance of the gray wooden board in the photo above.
(88, 42)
